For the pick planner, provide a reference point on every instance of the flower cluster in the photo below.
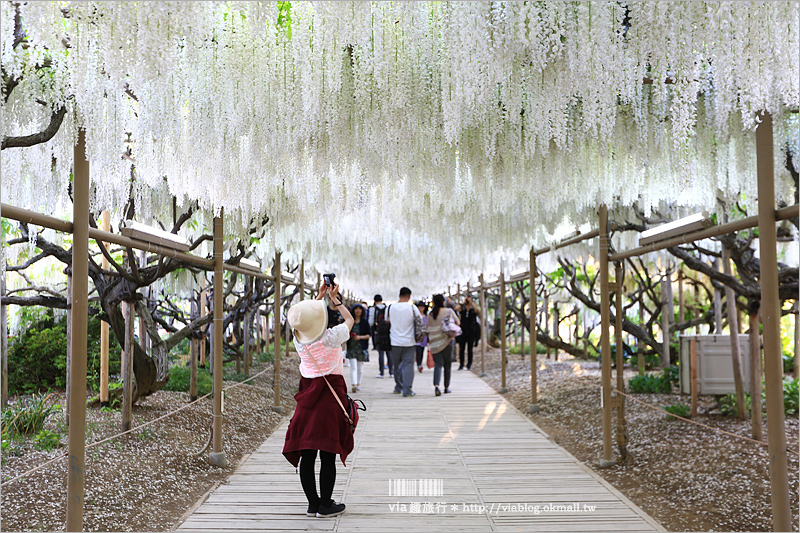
(391, 140)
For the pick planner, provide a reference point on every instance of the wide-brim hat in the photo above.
(309, 320)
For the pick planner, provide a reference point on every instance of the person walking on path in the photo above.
(358, 346)
(401, 316)
(441, 345)
(423, 310)
(319, 425)
(470, 328)
(376, 316)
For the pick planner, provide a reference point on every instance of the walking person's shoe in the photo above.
(312, 511)
(379, 376)
(437, 392)
(461, 368)
(447, 391)
(420, 368)
(409, 395)
(335, 509)
(355, 388)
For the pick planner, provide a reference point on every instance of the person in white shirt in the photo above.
(401, 317)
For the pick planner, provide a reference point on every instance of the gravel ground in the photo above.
(687, 477)
(146, 480)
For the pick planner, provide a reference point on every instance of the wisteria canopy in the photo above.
(401, 143)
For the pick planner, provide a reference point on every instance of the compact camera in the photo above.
(329, 279)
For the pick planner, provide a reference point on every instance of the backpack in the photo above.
(383, 341)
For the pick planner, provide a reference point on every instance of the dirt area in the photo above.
(687, 477)
(146, 480)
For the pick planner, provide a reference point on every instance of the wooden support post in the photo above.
(770, 317)
(681, 309)
(546, 319)
(203, 311)
(797, 339)
(79, 302)
(666, 282)
(717, 305)
(556, 335)
(484, 329)
(127, 367)
(503, 358)
(640, 357)
(68, 272)
(693, 374)
(302, 279)
(143, 292)
(756, 419)
(534, 406)
(193, 351)
(104, 333)
(622, 440)
(217, 455)
(276, 388)
(248, 317)
(730, 298)
(4, 341)
(286, 333)
(605, 340)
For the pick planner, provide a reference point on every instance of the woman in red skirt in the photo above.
(319, 425)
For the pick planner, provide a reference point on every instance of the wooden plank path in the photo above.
(497, 472)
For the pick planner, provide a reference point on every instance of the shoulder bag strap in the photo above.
(308, 352)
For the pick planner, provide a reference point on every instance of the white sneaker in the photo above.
(379, 376)
(358, 389)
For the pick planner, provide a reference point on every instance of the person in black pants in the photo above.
(470, 329)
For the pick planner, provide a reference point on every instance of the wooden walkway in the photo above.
(493, 470)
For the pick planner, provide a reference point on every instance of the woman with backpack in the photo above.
(319, 424)
(358, 346)
(440, 322)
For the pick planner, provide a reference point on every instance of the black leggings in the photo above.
(327, 477)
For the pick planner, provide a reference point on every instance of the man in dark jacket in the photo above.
(471, 331)
(375, 317)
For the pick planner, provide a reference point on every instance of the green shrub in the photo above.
(679, 409)
(672, 374)
(517, 350)
(28, 415)
(180, 379)
(790, 396)
(265, 357)
(788, 363)
(46, 441)
(727, 403)
(650, 383)
(37, 358)
(651, 359)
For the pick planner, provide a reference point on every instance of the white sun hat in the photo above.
(309, 320)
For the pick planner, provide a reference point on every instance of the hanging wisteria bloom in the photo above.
(506, 119)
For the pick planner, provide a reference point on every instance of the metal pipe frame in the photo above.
(737, 225)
